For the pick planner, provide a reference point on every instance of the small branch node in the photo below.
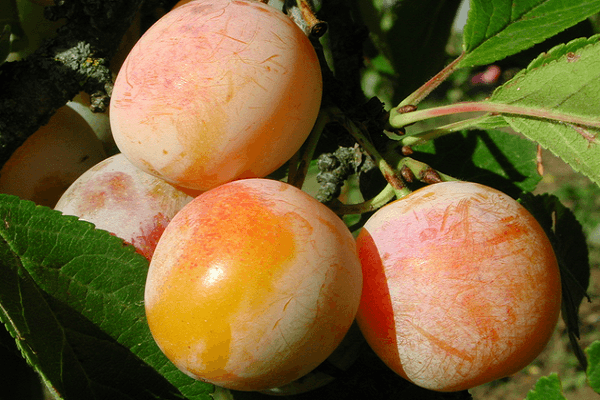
(304, 16)
(407, 150)
(407, 174)
(430, 175)
(406, 108)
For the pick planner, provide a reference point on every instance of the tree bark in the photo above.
(76, 60)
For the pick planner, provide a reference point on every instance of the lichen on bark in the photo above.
(76, 60)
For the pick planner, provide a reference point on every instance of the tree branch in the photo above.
(77, 59)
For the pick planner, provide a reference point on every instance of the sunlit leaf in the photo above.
(593, 369)
(563, 84)
(496, 29)
(547, 388)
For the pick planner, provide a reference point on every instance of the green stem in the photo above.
(415, 97)
(385, 196)
(422, 170)
(293, 167)
(398, 120)
(388, 172)
(299, 165)
(426, 136)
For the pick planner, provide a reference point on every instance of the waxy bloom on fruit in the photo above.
(252, 285)
(116, 196)
(216, 91)
(461, 286)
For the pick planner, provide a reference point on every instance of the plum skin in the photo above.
(216, 91)
(461, 286)
(51, 159)
(118, 197)
(252, 285)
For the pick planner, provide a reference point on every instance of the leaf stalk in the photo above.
(398, 120)
(415, 97)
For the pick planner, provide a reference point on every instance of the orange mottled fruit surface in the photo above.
(252, 285)
(461, 286)
(216, 91)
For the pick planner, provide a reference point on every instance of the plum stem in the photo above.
(390, 175)
(385, 196)
(298, 166)
(423, 172)
(418, 170)
(415, 97)
(302, 13)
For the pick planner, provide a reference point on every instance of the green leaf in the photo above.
(557, 52)
(547, 388)
(498, 28)
(495, 158)
(491, 122)
(593, 369)
(562, 90)
(72, 297)
(382, 65)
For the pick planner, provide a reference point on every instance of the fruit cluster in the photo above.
(252, 282)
